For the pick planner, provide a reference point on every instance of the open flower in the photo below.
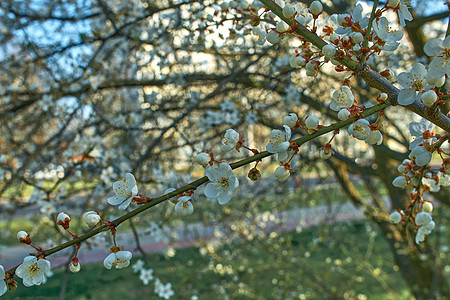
(360, 129)
(125, 191)
(33, 270)
(146, 275)
(389, 36)
(417, 130)
(414, 83)
(119, 259)
(222, 184)
(184, 206)
(279, 142)
(229, 141)
(3, 287)
(440, 66)
(403, 13)
(342, 98)
(420, 155)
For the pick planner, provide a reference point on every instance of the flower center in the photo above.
(224, 183)
(418, 84)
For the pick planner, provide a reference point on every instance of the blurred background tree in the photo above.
(94, 89)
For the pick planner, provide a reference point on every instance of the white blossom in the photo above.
(3, 287)
(420, 155)
(119, 260)
(222, 183)
(281, 173)
(342, 98)
(125, 191)
(360, 129)
(184, 206)
(279, 142)
(395, 217)
(33, 270)
(440, 66)
(146, 275)
(414, 83)
(229, 141)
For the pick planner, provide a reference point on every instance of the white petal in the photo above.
(212, 190)
(212, 173)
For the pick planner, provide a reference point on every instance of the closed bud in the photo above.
(282, 26)
(23, 237)
(91, 218)
(281, 173)
(289, 11)
(203, 159)
(343, 114)
(357, 37)
(395, 217)
(429, 98)
(399, 182)
(75, 266)
(329, 50)
(311, 122)
(316, 8)
(63, 219)
(427, 207)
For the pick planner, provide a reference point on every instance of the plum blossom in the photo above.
(3, 287)
(125, 191)
(165, 290)
(229, 141)
(138, 266)
(395, 217)
(386, 34)
(203, 159)
(119, 259)
(414, 83)
(290, 120)
(417, 130)
(279, 142)
(281, 173)
(184, 206)
(375, 138)
(91, 218)
(426, 223)
(356, 17)
(342, 98)
(33, 270)
(222, 183)
(360, 129)
(146, 275)
(420, 155)
(440, 66)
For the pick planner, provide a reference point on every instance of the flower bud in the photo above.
(289, 11)
(383, 96)
(357, 37)
(325, 152)
(399, 182)
(273, 37)
(422, 218)
(428, 98)
(282, 26)
(395, 217)
(281, 173)
(334, 36)
(427, 207)
(311, 122)
(63, 219)
(329, 50)
(403, 168)
(316, 8)
(203, 159)
(291, 120)
(343, 114)
(91, 218)
(74, 265)
(23, 237)
(393, 3)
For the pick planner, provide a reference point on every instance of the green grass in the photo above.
(293, 265)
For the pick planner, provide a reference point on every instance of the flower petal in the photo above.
(212, 190)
